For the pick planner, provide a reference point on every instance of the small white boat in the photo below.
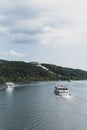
(61, 90)
(10, 84)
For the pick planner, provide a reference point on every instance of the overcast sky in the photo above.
(48, 31)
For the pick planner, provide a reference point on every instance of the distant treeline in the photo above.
(18, 71)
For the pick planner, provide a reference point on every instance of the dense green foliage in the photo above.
(18, 71)
(67, 73)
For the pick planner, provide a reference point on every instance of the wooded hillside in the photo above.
(18, 71)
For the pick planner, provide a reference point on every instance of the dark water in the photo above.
(35, 107)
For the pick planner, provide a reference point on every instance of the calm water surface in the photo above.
(35, 107)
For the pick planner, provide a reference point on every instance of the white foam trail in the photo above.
(68, 97)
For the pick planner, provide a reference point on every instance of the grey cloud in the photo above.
(25, 31)
(13, 12)
(24, 39)
(16, 9)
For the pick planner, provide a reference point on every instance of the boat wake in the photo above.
(67, 97)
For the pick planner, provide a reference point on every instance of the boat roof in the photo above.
(62, 87)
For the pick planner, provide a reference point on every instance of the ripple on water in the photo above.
(36, 107)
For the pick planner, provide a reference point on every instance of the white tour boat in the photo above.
(61, 90)
(10, 84)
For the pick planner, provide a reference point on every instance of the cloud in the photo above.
(3, 30)
(16, 54)
(28, 26)
(44, 21)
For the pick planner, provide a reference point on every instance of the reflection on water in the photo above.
(9, 90)
(36, 107)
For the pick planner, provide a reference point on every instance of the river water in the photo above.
(34, 106)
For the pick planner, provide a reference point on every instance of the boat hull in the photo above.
(10, 84)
